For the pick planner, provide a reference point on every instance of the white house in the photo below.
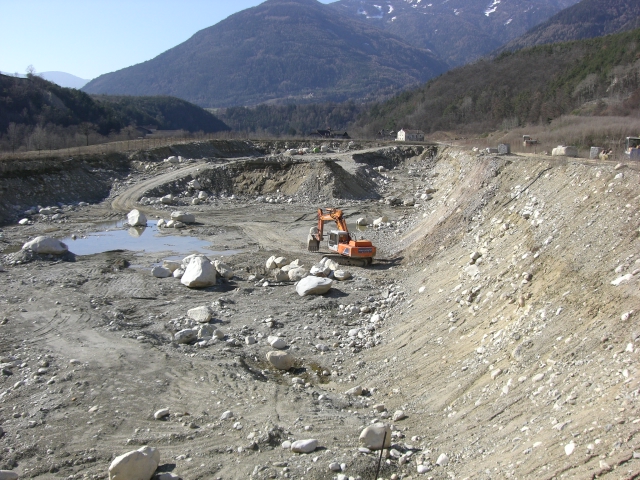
(410, 136)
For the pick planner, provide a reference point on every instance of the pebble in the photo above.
(163, 412)
(442, 460)
(537, 378)
(335, 467)
(250, 340)
(226, 415)
(304, 446)
(276, 342)
(399, 415)
(569, 448)
(372, 436)
(422, 469)
(355, 391)
(286, 445)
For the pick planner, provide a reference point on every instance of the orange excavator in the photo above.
(350, 250)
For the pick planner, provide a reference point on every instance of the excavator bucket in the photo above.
(313, 244)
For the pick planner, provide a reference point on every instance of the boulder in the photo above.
(172, 159)
(24, 221)
(280, 275)
(409, 202)
(163, 412)
(380, 221)
(183, 217)
(341, 275)
(304, 446)
(297, 274)
(276, 342)
(161, 272)
(200, 314)
(178, 273)
(136, 465)
(8, 475)
(330, 264)
(361, 221)
(187, 335)
(271, 263)
(224, 270)
(373, 435)
(355, 391)
(280, 262)
(172, 266)
(281, 360)
(207, 332)
(313, 286)
(194, 184)
(199, 273)
(320, 271)
(203, 195)
(136, 218)
(161, 223)
(46, 246)
(167, 200)
(563, 150)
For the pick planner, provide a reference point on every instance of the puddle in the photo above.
(140, 239)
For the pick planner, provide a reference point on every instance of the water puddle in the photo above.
(140, 239)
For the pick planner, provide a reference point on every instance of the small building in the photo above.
(410, 136)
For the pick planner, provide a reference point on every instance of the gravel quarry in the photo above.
(496, 334)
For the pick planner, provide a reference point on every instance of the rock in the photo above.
(161, 223)
(422, 469)
(271, 263)
(199, 273)
(203, 195)
(194, 184)
(319, 271)
(304, 446)
(409, 202)
(335, 467)
(187, 335)
(422, 289)
(373, 435)
(569, 448)
(537, 378)
(280, 360)
(297, 274)
(24, 221)
(626, 315)
(8, 475)
(172, 159)
(615, 283)
(200, 314)
(224, 270)
(286, 445)
(46, 246)
(442, 460)
(163, 412)
(276, 342)
(313, 286)
(380, 221)
(250, 340)
(178, 273)
(563, 150)
(136, 218)
(280, 262)
(341, 275)
(355, 391)
(399, 415)
(161, 272)
(167, 200)
(183, 217)
(166, 476)
(206, 331)
(136, 465)
(361, 221)
(280, 275)
(172, 266)
(228, 415)
(47, 211)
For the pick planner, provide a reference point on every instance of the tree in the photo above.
(87, 128)
(15, 134)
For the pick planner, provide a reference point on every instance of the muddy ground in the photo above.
(489, 317)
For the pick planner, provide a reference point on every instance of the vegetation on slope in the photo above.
(534, 85)
(35, 113)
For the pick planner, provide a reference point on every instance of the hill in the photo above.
(459, 31)
(64, 79)
(279, 51)
(587, 19)
(34, 103)
(597, 76)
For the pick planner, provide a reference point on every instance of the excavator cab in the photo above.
(336, 237)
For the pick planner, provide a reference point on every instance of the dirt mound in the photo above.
(393, 157)
(205, 149)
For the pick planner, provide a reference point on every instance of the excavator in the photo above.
(350, 250)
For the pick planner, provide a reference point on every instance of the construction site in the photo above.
(491, 332)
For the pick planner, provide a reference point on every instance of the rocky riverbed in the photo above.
(495, 335)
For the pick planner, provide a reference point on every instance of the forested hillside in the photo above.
(35, 113)
(595, 76)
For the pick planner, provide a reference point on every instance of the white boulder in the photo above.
(373, 436)
(200, 314)
(163, 412)
(161, 272)
(361, 221)
(199, 273)
(183, 217)
(380, 220)
(271, 263)
(172, 266)
(136, 218)
(280, 275)
(304, 446)
(187, 335)
(297, 274)
(313, 286)
(281, 360)
(224, 270)
(45, 246)
(563, 150)
(280, 261)
(341, 275)
(167, 200)
(276, 342)
(136, 465)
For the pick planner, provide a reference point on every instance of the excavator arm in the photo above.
(317, 233)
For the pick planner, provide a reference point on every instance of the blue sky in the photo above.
(90, 37)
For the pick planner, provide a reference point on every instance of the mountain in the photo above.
(64, 79)
(459, 31)
(34, 101)
(587, 19)
(280, 51)
(593, 76)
